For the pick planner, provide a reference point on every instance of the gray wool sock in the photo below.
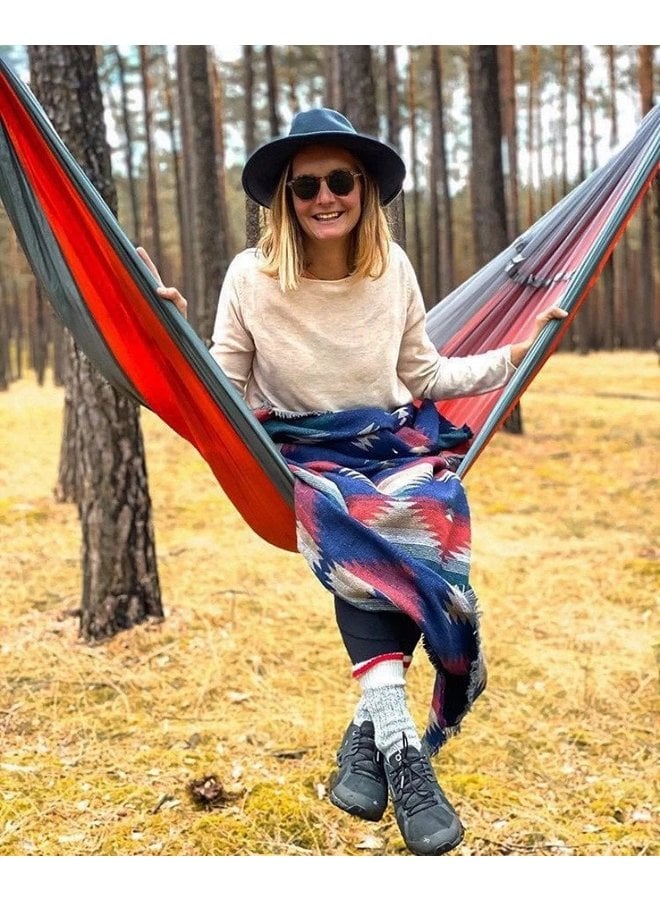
(361, 713)
(384, 698)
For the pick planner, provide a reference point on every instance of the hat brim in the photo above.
(264, 168)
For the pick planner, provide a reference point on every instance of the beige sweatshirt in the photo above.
(333, 345)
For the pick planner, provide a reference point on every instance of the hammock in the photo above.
(107, 298)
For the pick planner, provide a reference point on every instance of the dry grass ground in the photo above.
(247, 679)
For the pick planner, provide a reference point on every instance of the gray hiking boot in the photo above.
(359, 786)
(427, 820)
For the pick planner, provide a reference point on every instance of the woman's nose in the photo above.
(324, 195)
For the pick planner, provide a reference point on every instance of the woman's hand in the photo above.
(519, 350)
(167, 293)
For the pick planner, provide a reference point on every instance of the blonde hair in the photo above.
(281, 244)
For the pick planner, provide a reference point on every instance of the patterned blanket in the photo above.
(382, 520)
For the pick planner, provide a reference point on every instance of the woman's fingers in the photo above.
(167, 293)
(142, 253)
(171, 293)
(554, 312)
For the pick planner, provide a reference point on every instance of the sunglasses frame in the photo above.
(319, 179)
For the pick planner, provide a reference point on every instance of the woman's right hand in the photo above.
(167, 293)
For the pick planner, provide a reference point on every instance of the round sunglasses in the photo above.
(340, 182)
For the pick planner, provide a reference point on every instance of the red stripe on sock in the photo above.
(360, 668)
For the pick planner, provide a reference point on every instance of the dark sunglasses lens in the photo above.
(306, 186)
(340, 182)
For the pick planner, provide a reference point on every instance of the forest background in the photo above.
(562, 112)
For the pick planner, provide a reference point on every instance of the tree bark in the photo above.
(649, 302)
(334, 95)
(396, 213)
(155, 246)
(120, 584)
(209, 264)
(359, 87)
(487, 181)
(420, 266)
(271, 84)
(252, 214)
(130, 145)
(509, 111)
(445, 239)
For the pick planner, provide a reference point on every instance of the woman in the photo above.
(321, 327)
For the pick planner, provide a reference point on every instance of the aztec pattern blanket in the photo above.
(382, 520)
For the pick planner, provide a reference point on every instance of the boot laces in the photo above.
(364, 756)
(413, 781)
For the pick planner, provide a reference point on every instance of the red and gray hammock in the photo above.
(105, 295)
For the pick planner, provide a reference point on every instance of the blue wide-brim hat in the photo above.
(264, 168)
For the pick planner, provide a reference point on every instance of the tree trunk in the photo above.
(186, 129)
(334, 96)
(487, 181)
(396, 214)
(271, 83)
(208, 261)
(563, 116)
(510, 132)
(359, 87)
(120, 584)
(178, 273)
(130, 145)
(155, 248)
(218, 126)
(252, 214)
(649, 300)
(445, 268)
(580, 325)
(419, 263)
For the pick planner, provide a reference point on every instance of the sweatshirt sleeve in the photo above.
(426, 374)
(232, 345)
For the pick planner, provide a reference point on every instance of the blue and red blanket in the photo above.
(383, 519)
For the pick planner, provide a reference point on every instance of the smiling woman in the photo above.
(322, 329)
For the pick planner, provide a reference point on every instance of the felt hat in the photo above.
(264, 168)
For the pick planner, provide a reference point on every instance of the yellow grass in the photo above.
(247, 678)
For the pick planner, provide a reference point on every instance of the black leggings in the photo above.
(368, 634)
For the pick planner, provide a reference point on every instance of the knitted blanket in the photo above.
(383, 521)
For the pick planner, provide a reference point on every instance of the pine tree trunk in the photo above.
(252, 220)
(396, 213)
(271, 85)
(186, 130)
(510, 132)
(487, 181)
(218, 129)
(209, 264)
(120, 586)
(178, 273)
(419, 258)
(155, 247)
(446, 277)
(130, 147)
(648, 299)
(359, 87)
(334, 95)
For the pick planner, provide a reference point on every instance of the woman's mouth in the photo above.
(327, 217)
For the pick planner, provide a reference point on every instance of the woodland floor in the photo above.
(246, 678)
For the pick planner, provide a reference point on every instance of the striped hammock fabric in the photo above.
(105, 295)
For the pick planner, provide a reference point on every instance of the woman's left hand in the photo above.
(519, 350)
(167, 293)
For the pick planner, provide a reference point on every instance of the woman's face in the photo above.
(327, 217)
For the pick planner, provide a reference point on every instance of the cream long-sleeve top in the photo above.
(334, 345)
